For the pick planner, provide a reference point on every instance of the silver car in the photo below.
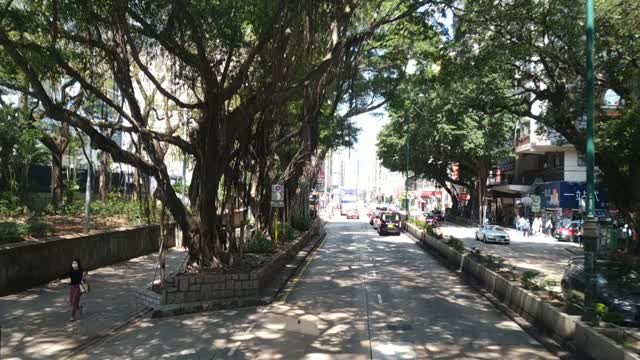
(492, 233)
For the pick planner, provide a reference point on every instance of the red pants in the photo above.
(74, 299)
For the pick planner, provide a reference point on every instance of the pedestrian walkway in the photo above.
(35, 323)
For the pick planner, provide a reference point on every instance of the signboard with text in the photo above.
(277, 195)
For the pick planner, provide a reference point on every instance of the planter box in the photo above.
(194, 292)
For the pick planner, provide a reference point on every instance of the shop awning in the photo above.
(511, 189)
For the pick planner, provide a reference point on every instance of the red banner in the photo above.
(428, 194)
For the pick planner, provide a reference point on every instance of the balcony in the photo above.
(540, 140)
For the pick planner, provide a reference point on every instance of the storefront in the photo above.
(564, 201)
(504, 205)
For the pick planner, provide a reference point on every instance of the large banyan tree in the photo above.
(250, 75)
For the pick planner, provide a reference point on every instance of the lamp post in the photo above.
(590, 227)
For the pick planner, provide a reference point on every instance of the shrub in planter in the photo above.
(290, 232)
(301, 223)
(37, 228)
(528, 280)
(11, 232)
(455, 244)
(260, 244)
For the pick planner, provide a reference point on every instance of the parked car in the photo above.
(433, 222)
(568, 232)
(437, 214)
(389, 223)
(492, 233)
(617, 286)
(353, 214)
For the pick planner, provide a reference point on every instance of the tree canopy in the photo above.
(261, 82)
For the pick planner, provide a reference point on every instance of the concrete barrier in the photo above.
(566, 328)
(33, 262)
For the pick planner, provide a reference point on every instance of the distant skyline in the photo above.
(360, 161)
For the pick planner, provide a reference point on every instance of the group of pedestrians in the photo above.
(536, 226)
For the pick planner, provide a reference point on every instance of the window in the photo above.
(582, 161)
(553, 160)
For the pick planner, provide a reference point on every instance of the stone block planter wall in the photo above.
(566, 328)
(189, 292)
(33, 262)
(198, 287)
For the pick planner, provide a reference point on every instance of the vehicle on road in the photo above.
(353, 214)
(348, 200)
(375, 213)
(376, 220)
(568, 232)
(617, 286)
(493, 234)
(389, 223)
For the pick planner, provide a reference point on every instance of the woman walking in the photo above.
(76, 275)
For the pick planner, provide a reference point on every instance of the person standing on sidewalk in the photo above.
(75, 275)
(548, 227)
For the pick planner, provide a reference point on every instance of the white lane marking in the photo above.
(373, 274)
(233, 349)
(380, 299)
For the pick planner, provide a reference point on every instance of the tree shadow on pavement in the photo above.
(35, 323)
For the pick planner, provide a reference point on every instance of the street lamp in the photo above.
(590, 227)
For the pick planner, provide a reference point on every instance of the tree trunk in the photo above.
(137, 186)
(103, 186)
(454, 197)
(483, 174)
(56, 178)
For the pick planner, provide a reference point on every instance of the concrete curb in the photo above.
(566, 328)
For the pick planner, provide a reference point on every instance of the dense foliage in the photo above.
(251, 76)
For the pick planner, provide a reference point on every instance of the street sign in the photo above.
(535, 203)
(277, 195)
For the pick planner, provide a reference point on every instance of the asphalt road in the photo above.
(362, 296)
(540, 253)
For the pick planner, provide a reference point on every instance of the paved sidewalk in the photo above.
(35, 323)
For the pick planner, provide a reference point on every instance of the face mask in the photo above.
(74, 265)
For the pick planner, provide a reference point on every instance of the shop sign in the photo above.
(570, 195)
(611, 103)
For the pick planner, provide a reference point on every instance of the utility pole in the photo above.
(590, 226)
(406, 182)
